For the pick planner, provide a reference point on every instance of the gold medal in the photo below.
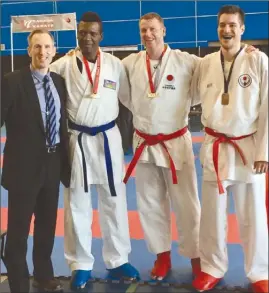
(152, 95)
(225, 96)
(225, 99)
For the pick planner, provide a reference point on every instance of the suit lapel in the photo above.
(31, 92)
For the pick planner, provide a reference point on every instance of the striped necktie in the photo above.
(50, 113)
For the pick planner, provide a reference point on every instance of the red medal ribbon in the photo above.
(97, 74)
(151, 84)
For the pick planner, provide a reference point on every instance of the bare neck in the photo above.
(155, 53)
(229, 54)
(91, 56)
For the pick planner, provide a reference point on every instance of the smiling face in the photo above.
(89, 36)
(41, 49)
(230, 30)
(152, 32)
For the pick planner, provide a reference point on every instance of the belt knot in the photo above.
(223, 138)
(155, 139)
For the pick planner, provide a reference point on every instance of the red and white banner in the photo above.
(50, 22)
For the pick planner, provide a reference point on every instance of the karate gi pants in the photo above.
(249, 200)
(113, 218)
(156, 193)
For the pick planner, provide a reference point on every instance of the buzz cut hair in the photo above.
(90, 16)
(152, 15)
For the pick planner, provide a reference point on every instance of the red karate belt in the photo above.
(222, 138)
(153, 140)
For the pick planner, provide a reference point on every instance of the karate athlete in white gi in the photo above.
(160, 80)
(92, 79)
(233, 87)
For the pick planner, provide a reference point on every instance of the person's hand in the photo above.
(250, 49)
(261, 167)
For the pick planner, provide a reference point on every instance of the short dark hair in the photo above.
(92, 17)
(232, 9)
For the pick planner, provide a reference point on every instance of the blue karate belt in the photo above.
(92, 131)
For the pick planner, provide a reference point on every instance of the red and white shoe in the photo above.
(204, 282)
(196, 266)
(162, 266)
(260, 286)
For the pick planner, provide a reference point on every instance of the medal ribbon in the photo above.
(97, 74)
(227, 81)
(151, 84)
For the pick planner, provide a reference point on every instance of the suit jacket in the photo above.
(25, 150)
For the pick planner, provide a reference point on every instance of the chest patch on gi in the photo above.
(245, 80)
(110, 84)
(169, 82)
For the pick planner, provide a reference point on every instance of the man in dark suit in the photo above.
(35, 161)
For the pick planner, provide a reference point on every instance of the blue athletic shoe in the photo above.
(125, 271)
(80, 278)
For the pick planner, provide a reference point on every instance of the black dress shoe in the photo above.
(53, 285)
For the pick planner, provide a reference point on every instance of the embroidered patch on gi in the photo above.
(170, 78)
(245, 80)
(110, 84)
(169, 82)
(209, 85)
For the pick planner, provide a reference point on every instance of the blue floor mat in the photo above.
(181, 268)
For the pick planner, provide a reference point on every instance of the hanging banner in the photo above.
(50, 22)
